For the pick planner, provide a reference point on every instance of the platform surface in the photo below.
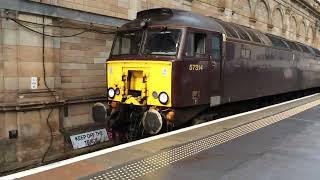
(276, 142)
(285, 150)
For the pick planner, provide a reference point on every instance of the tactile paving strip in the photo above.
(140, 167)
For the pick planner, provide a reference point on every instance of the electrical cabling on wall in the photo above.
(31, 26)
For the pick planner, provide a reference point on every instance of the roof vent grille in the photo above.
(154, 13)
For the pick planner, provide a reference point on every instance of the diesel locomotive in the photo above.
(167, 66)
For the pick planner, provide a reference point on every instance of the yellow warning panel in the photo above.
(142, 80)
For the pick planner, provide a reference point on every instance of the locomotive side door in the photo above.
(215, 67)
(196, 59)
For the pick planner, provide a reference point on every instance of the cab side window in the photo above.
(196, 45)
(215, 48)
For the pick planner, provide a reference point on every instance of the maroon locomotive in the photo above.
(167, 66)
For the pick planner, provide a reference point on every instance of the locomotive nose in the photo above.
(140, 82)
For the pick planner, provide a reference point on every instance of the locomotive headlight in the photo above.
(111, 93)
(163, 98)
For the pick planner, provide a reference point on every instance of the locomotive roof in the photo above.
(181, 18)
(173, 17)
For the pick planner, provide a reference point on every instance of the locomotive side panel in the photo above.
(252, 71)
(316, 68)
(238, 78)
(309, 68)
(197, 77)
(189, 80)
(281, 75)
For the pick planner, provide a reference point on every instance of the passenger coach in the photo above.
(168, 66)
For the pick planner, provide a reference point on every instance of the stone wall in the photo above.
(75, 76)
(282, 17)
(82, 63)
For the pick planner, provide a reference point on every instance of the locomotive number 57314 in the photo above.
(195, 67)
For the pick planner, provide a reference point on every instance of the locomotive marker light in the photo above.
(117, 91)
(111, 93)
(164, 71)
(155, 94)
(163, 98)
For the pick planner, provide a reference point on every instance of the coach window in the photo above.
(196, 45)
(215, 48)
(245, 53)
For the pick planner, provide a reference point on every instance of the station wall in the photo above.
(60, 106)
(296, 20)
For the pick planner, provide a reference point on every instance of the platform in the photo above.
(276, 142)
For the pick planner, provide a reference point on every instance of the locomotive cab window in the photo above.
(151, 42)
(127, 43)
(215, 48)
(162, 42)
(196, 44)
